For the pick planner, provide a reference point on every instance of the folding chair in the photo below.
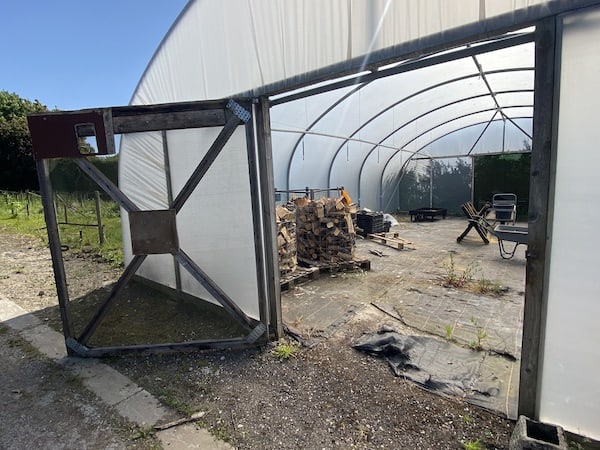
(476, 220)
(504, 208)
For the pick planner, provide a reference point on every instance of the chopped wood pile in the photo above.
(325, 231)
(286, 238)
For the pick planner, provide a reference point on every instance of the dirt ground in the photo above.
(327, 396)
(45, 407)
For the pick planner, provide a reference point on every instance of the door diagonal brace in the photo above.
(209, 158)
(131, 269)
(108, 186)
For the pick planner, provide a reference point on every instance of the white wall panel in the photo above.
(142, 178)
(215, 225)
(569, 390)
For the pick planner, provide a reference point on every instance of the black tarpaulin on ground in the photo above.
(434, 364)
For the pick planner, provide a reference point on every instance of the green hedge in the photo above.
(67, 177)
(503, 173)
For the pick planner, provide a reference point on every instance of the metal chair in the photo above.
(504, 209)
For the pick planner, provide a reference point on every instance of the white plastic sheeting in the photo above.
(219, 232)
(570, 393)
(366, 133)
(358, 136)
(262, 42)
(215, 225)
(143, 178)
(218, 49)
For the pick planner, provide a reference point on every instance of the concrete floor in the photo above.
(408, 285)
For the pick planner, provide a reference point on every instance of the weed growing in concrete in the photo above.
(298, 320)
(356, 273)
(485, 286)
(449, 332)
(142, 432)
(480, 335)
(455, 279)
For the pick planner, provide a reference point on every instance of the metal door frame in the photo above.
(57, 135)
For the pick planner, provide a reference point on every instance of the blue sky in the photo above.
(73, 54)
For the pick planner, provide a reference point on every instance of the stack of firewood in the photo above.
(286, 238)
(325, 231)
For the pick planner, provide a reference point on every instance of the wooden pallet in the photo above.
(389, 239)
(300, 275)
(340, 266)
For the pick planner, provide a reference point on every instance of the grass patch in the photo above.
(16, 341)
(22, 213)
(172, 399)
(222, 432)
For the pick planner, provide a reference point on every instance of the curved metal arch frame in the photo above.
(401, 149)
(415, 94)
(418, 151)
(409, 122)
(314, 122)
(380, 113)
(366, 157)
(497, 43)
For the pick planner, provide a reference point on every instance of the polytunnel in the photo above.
(359, 93)
(361, 131)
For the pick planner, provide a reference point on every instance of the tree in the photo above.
(17, 165)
